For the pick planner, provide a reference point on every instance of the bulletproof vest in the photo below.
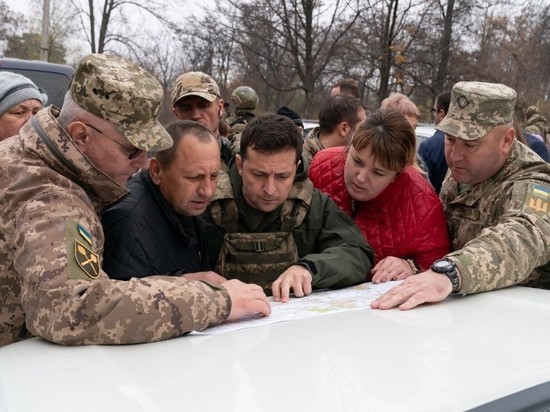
(258, 257)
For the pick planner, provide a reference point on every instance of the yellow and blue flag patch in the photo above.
(537, 199)
(85, 234)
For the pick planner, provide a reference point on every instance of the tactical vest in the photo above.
(241, 117)
(258, 257)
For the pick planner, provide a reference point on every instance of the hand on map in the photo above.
(415, 290)
(297, 278)
(246, 299)
(391, 268)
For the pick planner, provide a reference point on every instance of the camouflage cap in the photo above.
(125, 95)
(195, 84)
(477, 108)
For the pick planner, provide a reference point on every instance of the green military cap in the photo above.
(477, 108)
(124, 94)
(195, 84)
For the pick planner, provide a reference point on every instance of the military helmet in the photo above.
(244, 97)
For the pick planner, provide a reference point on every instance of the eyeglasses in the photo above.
(135, 152)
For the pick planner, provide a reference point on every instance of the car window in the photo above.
(54, 78)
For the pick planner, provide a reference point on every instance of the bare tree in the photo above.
(157, 56)
(293, 38)
(208, 48)
(106, 23)
(448, 12)
(382, 44)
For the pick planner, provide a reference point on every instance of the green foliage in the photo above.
(9, 21)
(27, 46)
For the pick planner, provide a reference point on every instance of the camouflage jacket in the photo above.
(51, 241)
(536, 124)
(312, 145)
(328, 241)
(238, 123)
(240, 118)
(499, 230)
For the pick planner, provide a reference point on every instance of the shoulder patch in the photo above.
(537, 199)
(85, 234)
(86, 259)
(82, 262)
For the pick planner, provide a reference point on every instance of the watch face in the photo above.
(443, 265)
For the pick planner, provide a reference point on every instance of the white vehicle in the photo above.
(489, 351)
(423, 132)
(309, 125)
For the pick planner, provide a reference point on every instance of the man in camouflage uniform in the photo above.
(339, 117)
(536, 122)
(56, 177)
(245, 100)
(273, 228)
(496, 201)
(196, 96)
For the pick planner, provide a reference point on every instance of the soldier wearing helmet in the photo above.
(245, 100)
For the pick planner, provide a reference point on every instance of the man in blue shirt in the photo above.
(432, 150)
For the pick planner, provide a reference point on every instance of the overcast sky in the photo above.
(21, 6)
(138, 19)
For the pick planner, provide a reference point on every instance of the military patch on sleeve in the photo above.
(85, 234)
(537, 199)
(86, 259)
(82, 262)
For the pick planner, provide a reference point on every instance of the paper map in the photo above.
(316, 304)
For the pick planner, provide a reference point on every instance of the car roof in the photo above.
(424, 131)
(453, 355)
(52, 77)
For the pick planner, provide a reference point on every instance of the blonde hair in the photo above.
(402, 104)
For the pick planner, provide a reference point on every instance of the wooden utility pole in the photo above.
(44, 43)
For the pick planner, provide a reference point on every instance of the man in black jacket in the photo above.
(157, 229)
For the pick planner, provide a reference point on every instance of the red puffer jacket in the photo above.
(406, 220)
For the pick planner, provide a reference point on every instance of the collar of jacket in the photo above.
(180, 223)
(45, 137)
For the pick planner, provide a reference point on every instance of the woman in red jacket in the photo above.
(395, 207)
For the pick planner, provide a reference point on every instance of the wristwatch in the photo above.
(448, 268)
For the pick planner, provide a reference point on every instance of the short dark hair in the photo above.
(272, 133)
(390, 137)
(349, 87)
(443, 100)
(178, 130)
(338, 109)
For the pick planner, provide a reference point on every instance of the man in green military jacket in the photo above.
(273, 228)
